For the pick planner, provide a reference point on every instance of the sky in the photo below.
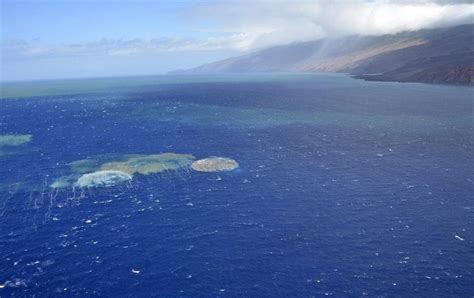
(50, 39)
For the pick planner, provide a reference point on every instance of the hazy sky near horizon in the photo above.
(44, 39)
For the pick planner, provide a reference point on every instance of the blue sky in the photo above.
(87, 38)
(83, 21)
(52, 25)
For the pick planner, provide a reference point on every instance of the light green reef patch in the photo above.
(15, 90)
(14, 140)
(257, 118)
(9, 143)
(129, 164)
(87, 165)
(149, 164)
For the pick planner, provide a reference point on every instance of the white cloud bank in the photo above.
(116, 47)
(265, 23)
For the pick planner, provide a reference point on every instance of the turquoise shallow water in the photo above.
(344, 188)
(24, 89)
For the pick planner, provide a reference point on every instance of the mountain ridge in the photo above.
(441, 56)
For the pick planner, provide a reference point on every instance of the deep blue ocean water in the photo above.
(345, 188)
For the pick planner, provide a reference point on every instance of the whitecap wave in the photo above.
(102, 179)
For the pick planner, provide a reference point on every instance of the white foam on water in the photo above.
(16, 283)
(102, 179)
(214, 164)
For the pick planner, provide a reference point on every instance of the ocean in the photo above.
(344, 187)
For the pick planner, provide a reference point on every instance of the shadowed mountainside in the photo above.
(443, 56)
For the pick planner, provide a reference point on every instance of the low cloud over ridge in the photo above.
(249, 25)
(266, 23)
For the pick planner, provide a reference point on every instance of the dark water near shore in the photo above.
(345, 188)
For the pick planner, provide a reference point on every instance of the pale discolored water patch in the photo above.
(8, 143)
(64, 181)
(214, 164)
(259, 118)
(87, 165)
(129, 164)
(150, 164)
(14, 140)
(80, 86)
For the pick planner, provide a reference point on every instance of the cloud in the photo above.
(246, 25)
(116, 47)
(265, 23)
(444, 2)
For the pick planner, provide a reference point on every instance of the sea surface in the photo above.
(344, 188)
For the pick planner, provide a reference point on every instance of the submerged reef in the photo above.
(149, 164)
(214, 164)
(14, 140)
(9, 142)
(130, 164)
(102, 178)
(101, 171)
(265, 117)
